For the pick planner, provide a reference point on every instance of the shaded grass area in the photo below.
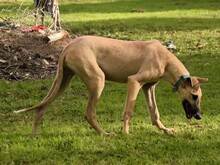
(126, 6)
(123, 6)
(153, 24)
(66, 138)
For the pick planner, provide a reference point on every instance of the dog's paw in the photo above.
(110, 134)
(169, 131)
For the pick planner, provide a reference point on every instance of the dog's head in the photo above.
(190, 95)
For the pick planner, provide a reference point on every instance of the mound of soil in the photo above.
(28, 55)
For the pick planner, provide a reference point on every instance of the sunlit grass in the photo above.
(86, 16)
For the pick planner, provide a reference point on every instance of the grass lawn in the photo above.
(66, 138)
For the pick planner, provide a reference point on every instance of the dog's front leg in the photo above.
(132, 92)
(149, 92)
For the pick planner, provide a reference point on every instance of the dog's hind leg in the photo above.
(86, 67)
(149, 92)
(37, 117)
(67, 75)
(95, 84)
(95, 88)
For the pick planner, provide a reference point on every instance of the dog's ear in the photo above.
(188, 82)
(194, 82)
(202, 80)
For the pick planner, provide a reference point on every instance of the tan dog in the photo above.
(140, 64)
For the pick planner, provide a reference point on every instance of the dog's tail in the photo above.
(53, 90)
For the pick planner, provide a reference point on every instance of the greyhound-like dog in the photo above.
(140, 64)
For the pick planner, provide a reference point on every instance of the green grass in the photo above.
(66, 138)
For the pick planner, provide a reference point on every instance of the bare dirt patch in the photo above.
(28, 55)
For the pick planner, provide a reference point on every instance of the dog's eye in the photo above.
(195, 97)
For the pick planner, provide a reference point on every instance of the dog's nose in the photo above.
(198, 116)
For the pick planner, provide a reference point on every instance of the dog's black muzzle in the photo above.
(191, 110)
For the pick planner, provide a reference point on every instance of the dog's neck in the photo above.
(174, 71)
